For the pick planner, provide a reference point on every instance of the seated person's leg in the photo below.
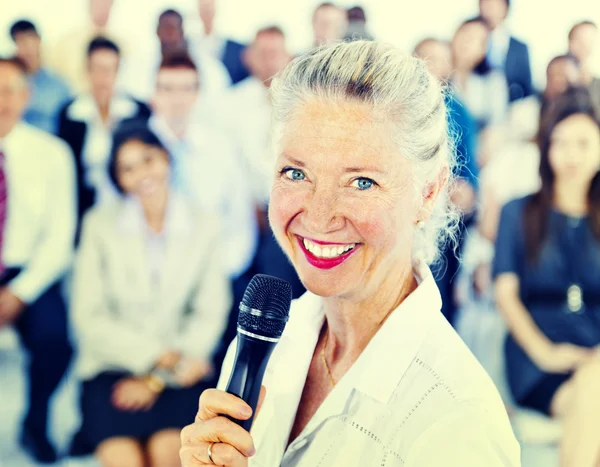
(43, 331)
(163, 449)
(120, 452)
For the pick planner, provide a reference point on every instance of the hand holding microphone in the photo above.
(220, 434)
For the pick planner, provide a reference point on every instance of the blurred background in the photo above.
(126, 101)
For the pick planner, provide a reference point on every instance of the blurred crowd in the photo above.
(134, 192)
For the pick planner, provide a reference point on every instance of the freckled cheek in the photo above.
(285, 203)
(375, 225)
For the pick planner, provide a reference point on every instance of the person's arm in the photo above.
(54, 250)
(468, 436)
(211, 305)
(97, 327)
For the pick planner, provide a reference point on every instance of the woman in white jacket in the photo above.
(150, 302)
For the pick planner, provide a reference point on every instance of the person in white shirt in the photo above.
(140, 76)
(150, 301)
(367, 372)
(206, 166)
(37, 226)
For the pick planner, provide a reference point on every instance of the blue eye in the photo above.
(363, 183)
(294, 174)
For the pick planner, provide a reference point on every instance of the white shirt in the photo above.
(209, 170)
(415, 397)
(40, 224)
(98, 139)
(499, 43)
(250, 119)
(212, 45)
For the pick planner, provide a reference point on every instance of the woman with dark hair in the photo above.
(483, 90)
(547, 278)
(150, 302)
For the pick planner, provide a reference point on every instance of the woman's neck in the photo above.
(353, 323)
(571, 198)
(155, 207)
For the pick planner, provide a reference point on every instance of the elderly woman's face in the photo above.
(343, 204)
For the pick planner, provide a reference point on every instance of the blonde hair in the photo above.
(400, 90)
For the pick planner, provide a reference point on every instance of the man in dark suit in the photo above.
(505, 51)
(226, 50)
(86, 123)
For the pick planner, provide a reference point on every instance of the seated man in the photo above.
(37, 225)
(48, 92)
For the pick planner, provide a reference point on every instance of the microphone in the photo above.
(264, 312)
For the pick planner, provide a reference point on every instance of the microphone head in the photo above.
(265, 308)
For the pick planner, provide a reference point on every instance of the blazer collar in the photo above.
(84, 108)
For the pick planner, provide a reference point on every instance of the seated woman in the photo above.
(368, 372)
(150, 302)
(547, 278)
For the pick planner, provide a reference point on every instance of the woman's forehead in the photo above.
(347, 128)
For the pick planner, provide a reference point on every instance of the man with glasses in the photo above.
(205, 165)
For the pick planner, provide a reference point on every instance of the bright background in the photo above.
(543, 24)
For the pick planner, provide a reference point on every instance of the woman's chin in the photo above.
(323, 287)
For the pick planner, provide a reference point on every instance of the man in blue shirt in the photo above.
(48, 92)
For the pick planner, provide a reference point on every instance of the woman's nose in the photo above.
(322, 213)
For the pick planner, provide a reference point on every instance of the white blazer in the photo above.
(125, 322)
(416, 396)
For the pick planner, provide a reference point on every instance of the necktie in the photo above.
(3, 205)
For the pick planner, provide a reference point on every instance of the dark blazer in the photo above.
(518, 70)
(74, 131)
(232, 59)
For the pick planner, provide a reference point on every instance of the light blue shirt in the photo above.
(206, 168)
(48, 95)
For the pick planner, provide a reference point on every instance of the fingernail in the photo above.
(252, 451)
(245, 410)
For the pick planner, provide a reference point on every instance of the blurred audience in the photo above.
(68, 56)
(505, 52)
(37, 225)
(357, 25)
(463, 129)
(205, 164)
(149, 282)
(140, 80)
(482, 88)
(48, 93)
(547, 278)
(583, 40)
(329, 24)
(523, 119)
(212, 44)
(86, 123)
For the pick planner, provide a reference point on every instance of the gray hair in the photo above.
(402, 91)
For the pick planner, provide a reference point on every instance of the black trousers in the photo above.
(42, 328)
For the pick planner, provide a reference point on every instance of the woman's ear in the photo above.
(431, 192)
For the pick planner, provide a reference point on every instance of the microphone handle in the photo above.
(251, 360)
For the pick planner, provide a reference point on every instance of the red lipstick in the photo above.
(324, 263)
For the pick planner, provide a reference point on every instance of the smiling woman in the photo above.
(367, 372)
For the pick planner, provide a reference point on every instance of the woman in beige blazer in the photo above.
(150, 302)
